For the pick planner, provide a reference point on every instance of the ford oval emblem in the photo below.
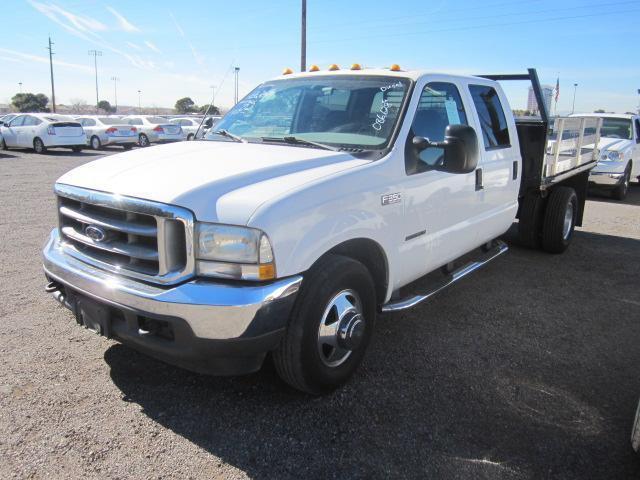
(95, 233)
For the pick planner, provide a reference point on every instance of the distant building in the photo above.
(547, 95)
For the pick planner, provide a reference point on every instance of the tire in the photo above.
(3, 144)
(559, 219)
(127, 146)
(143, 140)
(530, 221)
(189, 137)
(76, 149)
(620, 192)
(635, 431)
(38, 146)
(302, 359)
(96, 144)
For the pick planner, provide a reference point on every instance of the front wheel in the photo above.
(559, 219)
(38, 145)
(330, 326)
(143, 140)
(620, 192)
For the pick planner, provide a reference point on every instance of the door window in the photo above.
(439, 106)
(637, 124)
(89, 122)
(30, 121)
(135, 121)
(493, 122)
(18, 121)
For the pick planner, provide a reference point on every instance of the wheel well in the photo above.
(372, 256)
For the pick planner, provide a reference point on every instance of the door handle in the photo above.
(479, 185)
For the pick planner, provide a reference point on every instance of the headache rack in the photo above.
(553, 149)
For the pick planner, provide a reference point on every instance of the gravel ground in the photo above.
(528, 369)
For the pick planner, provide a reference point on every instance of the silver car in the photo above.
(103, 131)
(154, 129)
(189, 126)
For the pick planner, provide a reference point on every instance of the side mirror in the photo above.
(460, 148)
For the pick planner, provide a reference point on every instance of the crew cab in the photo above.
(318, 201)
(619, 148)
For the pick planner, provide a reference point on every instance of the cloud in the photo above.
(78, 25)
(123, 23)
(22, 57)
(196, 55)
(135, 46)
(152, 46)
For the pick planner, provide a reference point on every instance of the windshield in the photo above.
(342, 111)
(616, 128)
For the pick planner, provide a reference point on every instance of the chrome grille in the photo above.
(128, 236)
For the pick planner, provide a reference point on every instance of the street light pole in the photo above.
(139, 107)
(303, 38)
(53, 90)
(115, 91)
(575, 88)
(96, 54)
(235, 99)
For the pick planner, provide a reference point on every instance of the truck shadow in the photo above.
(527, 368)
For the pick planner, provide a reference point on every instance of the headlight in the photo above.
(238, 253)
(615, 156)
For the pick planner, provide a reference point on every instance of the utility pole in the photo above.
(575, 88)
(96, 54)
(139, 107)
(303, 38)
(235, 99)
(53, 90)
(115, 91)
(20, 83)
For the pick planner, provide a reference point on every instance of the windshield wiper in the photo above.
(230, 135)
(300, 141)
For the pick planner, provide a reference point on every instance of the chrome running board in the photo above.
(495, 251)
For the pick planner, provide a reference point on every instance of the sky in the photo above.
(173, 49)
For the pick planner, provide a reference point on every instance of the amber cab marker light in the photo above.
(356, 66)
(314, 68)
(333, 67)
(395, 67)
(287, 71)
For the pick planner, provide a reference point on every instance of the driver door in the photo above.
(10, 133)
(439, 207)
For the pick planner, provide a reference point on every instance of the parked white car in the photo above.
(101, 131)
(319, 201)
(619, 148)
(189, 126)
(41, 131)
(154, 129)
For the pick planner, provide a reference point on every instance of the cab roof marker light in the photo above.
(314, 68)
(395, 68)
(356, 66)
(333, 67)
(287, 71)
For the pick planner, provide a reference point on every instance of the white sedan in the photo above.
(41, 131)
(154, 129)
(189, 126)
(103, 131)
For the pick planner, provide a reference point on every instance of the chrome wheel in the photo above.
(568, 221)
(341, 328)
(95, 143)
(143, 141)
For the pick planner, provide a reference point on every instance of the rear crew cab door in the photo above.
(499, 167)
(439, 207)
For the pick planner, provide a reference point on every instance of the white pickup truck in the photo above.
(619, 148)
(319, 200)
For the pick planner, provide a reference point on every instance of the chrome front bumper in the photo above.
(212, 310)
(605, 178)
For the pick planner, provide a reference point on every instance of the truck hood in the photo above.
(219, 181)
(613, 144)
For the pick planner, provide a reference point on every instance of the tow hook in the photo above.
(52, 287)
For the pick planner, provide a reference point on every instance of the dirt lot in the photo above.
(528, 369)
